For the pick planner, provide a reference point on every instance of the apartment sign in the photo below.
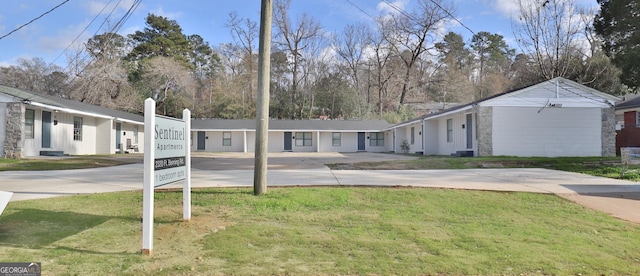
(167, 159)
(170, 150)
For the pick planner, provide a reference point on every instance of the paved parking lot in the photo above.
(286, 160)
(616, 197)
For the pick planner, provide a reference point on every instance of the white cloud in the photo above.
(64, 38)
(506, 7)
(170, 15)
(388, 7)
(100, 7)
(5, 63)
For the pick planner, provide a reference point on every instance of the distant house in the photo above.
(218, 135)
(628, 126)
(557, 117)
(32, 124)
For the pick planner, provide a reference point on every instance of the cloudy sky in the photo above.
(52, 36)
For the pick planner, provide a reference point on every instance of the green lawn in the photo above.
(326, 231)
(66, 163)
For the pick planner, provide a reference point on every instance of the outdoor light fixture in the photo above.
(463, 126)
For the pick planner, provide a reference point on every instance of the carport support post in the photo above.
(262, 114)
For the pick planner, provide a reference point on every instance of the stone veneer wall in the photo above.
(485, 131)
(609, 131)
(13, 142)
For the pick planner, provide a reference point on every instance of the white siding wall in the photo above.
(103, 135)
(312, 148)
(215, 141)
(431, 137)
(251, 141)
(404, 133)
(459, 141)
(348, 142)
(62, 134)
(276, 142)
(551, 132)
(388, 142)
(32, 145)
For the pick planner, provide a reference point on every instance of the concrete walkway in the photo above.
(616, 197)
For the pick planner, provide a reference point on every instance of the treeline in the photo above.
(364, 71)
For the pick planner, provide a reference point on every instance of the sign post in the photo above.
(167, 159)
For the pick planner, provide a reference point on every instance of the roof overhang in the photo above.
(73, 111)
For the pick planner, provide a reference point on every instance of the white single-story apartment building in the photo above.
(219, 135)
(557, 117)
(33, 124)
(554, 118)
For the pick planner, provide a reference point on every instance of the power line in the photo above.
(83, 30)
(361, 10)
(452, 17)
(400, 10)
(32, 20)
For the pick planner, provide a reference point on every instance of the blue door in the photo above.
(46, 129)
(287, 141)
(361, 140)
(118, 137)
(201, 140)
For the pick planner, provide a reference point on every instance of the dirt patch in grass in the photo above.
(178, 244)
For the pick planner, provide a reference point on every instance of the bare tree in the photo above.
(37, 76)
(548, 31)
(295, 38)
(413, 34)
(171, 84)
(104, 82)
(379, 67)
(350, 47)
(244, 32)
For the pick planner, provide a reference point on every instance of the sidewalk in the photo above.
(616, 197)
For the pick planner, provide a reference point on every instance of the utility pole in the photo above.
(262, 112)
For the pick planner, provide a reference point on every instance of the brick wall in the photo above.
(629, 135)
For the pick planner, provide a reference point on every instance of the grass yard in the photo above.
(326, 231)
(66, 163)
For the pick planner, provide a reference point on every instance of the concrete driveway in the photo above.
(616, 197)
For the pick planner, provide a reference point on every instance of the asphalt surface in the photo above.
(618, 198)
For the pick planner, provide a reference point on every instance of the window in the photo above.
(449, 130)
(303, 139)
(637, 119)
(77, 128)
(29, 117)
(135, 134)
(226, 139)
(413, 135)
(376, 139)
(336, 139)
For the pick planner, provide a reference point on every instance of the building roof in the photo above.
(629, 103)
(474, 103)
(292, 125)
(68, 105)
